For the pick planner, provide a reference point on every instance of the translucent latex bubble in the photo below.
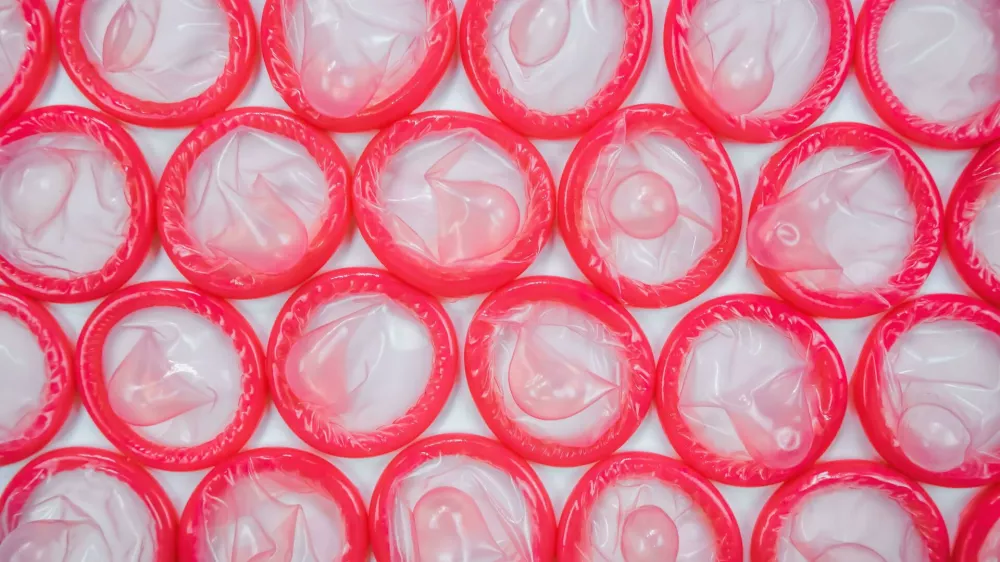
(973, 224)
(13, 43)
(25, 54)
(24, 373)
(978, 538)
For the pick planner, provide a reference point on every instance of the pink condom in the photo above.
(845, 222)
(340, 342)
(972, 224)
(926, 388)
(171, 376)
(978, 538)
(76, 216)
(274, 505)
(461, 498)
(751, 391)
(453, 203)
(650, 206)
(158, 63)
(758, 72)
(554, 68)
(25, 54)
(850, 511)
(253, 203)
(561, 373)
(80, 503)
(356, 65)
(643, 507)
(931, 68)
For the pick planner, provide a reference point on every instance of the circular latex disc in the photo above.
(274, 504)
(355, 66)
(158, 63)
(453, 203)
(931, 68)
(76, 199)
(972, 223)
(85, 504)
(650, 206)
(461, 497)
(926, 387)
(845, 221)
(253, 203)
(554, 68)
(751, 391)
(26, 48)
(171, 376)
(560, 372)
(758, 71)
(643, 507)
(343, 339)
(978, 538)
(850, 511)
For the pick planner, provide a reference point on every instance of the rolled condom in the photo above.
(972, 223)
(978, 538)
(26, 44)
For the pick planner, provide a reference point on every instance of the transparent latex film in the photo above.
(749, 393)
(990, 551)
(454, 198)
(172, 376)
(850, 524)
(354, 54)
(24, 376)
(80, 515)
(940, 386)
(254, 201)
(555, 55)
(162, 51)
(941, 58)
(844, 222)
(64, 208)
(986, 226)
(650, 206)
(352, 351)
(460, 509)
(647, 520)
(13, 44)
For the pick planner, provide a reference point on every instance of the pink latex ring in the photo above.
(972, 222)
(554, 68)
(845, 222)
(758, 73)
(643, 507)
(650, 206)
(76, 199)
(171, 376)
(26, 45)
(85, 504)
(926, 387)
(357, 66)
(751, 392)
(344, 338)
(453, 203)
(561, 373)
(36, 373)
(931, 68)
(253, 203)
(978, 538)
(450, 495)
(270, 504)
(158, 63)
(859, 511)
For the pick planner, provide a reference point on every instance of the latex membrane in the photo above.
(354, 54)
(80, 515)
(990, 550)
(162, 51)
(651, 206)
(555, 55)
(986, 226)
(24, 376)
(172, 376)
(748, 393)
(352, 350)
(254, 201)
(64, 207)
(13, 45)
(844, 222)
(455, 198)
(940, 386)
(460, 509)
(941, 58)
(761, 56)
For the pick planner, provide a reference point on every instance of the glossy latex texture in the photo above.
(163, 51)
(172, 376)
(63, 205)
(13, 45)
(80, 515)
(986, 227)
(24, 376)
(990, 549)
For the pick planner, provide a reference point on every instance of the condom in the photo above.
(26, 46)
(972, 221)
(978, 537)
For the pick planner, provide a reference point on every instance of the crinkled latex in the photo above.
(986, 226)
(163, 51)
(13, 45)
(63, 205)
(24, 376)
